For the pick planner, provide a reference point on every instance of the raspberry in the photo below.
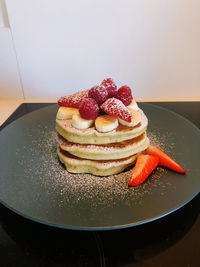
(124, 94)
(74, 100)
(110, 87)
(114, 107)
(89, 109)
(98, 93)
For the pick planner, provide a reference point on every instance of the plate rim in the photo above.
(99, 228)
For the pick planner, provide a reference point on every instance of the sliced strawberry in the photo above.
(144, 166)
(164, 159)
(74, 100)
(114, 107)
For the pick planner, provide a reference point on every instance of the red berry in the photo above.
(144, 166)
(116, 108)
(164, 159)
(124, 94)
(98, 93)
(89, 109)
(110, 87)
(74, 100)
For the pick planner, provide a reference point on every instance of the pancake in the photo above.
(75, 164)
(111, 151)
(92, 136)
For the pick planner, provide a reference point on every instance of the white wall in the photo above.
(10, 86)
(64, 46)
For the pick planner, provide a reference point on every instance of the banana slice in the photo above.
(133, 105)
(81, 123)
(136, 118)
(65, 113)
(106, 123)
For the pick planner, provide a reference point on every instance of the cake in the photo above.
(100, 131)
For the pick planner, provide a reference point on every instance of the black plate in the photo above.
(35, 185)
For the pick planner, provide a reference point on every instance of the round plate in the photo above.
(34, 184)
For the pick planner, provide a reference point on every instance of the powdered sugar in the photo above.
(115, 147)
(110, 86)
(98, 93)
(125, 95)
(73, 100)
(80, 188)
(116, 108)
(69, 128)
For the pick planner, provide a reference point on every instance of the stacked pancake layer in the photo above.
(100, 153)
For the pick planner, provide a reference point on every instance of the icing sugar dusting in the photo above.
(73, 100)
(114, 106)
(74, 189)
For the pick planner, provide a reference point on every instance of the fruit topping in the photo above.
(114, 107)
(89, 109)
(106, 123)
(136, 118)
(133, 105)
(144, 166)
(124, 94)
(65, 113)
(98, 93)
(110, 87)
(81, 123)
(73, 100)
(164, 159)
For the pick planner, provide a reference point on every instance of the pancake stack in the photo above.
(101, 153)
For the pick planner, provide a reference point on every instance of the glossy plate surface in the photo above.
(34, 184)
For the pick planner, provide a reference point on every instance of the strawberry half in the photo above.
(144, 166)
(114, 107)
(164, 159)
(74, 100)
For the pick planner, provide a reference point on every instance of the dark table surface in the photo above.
(173, 240)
